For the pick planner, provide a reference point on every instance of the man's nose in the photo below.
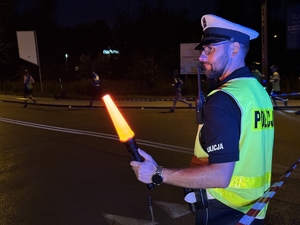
(202, 57)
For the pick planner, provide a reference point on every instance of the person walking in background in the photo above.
(178, 89)
(96, 91)
(28, 82)
(256, 73)
(237, 135)
(275, 80)
(276, 90)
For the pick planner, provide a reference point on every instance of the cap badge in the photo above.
(204, 22)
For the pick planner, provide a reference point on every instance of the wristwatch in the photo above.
(157, 177)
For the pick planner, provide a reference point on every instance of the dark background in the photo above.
(147, 34)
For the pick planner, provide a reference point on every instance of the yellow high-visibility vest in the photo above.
(252, 173)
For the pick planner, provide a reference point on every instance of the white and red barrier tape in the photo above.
(262, 202)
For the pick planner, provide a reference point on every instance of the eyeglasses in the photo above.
(207, 48)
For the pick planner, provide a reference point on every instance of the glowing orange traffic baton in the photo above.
(126, 135)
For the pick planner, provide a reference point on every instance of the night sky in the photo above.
(72, 12)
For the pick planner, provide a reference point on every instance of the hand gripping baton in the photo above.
(126, 135)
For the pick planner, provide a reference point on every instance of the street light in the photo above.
(66, 55)
(66, 64)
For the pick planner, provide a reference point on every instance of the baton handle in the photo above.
(132, 147)
(200, 99)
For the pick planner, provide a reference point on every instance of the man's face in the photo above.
(214, 63)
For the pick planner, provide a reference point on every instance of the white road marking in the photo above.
(100, 135)
(289, 111)
(122, 220)
(174, 210)
(22, 98)
(287, 115)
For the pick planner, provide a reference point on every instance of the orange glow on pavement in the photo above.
(121, 126)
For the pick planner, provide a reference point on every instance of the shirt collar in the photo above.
(241, 72)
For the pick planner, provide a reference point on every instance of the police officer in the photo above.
(237, 134)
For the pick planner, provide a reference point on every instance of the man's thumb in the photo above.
(144, 154)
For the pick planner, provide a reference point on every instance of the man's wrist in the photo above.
(157, 177)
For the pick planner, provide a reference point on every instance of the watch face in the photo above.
(157, 179)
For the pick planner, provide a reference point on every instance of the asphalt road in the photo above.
(61, 165)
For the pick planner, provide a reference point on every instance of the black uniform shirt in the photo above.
(220, 133)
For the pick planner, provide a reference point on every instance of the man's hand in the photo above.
(144, 170)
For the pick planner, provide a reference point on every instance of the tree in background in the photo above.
(145, 69)
(149, 41)
(156, 30)
(248, 13)
(8, 44)
(88, 64)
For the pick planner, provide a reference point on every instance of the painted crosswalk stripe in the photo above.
(172, 209)
(123, 220)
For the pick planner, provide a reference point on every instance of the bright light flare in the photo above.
(121, 126)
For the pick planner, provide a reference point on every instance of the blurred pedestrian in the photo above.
(275, 80)
(276, 90)
(256, 73)
(178, 88)
(96, 88)
(28, 82)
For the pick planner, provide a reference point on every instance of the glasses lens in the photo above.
(206, 50)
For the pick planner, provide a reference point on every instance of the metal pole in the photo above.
(38, 62)
(264, 41)
(41, 82)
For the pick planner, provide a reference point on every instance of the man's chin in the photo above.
(204, 66)
(206, 72)
(210, 75)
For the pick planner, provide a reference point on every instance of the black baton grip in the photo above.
(132, 147)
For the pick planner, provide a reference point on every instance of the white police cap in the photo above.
(217, 29)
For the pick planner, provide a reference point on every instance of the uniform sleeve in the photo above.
(221, 130)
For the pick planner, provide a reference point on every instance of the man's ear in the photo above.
(235, 48)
